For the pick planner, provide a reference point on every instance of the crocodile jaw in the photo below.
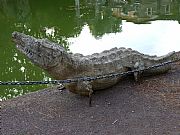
(40, 51)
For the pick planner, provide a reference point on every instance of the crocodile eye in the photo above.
(30, 54)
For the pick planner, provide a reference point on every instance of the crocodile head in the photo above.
(41, 52)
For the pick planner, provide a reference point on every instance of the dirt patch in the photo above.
(151, 107)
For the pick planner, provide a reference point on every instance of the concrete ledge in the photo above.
(151, 107)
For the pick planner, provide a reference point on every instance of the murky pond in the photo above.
(86, 27)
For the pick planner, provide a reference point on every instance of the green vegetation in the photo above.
(57, 20)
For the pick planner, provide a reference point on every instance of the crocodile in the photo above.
(60, 64)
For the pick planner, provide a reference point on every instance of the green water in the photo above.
(85, 26)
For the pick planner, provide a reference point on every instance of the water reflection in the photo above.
(144, 11)
(85, 26)
(155, 39)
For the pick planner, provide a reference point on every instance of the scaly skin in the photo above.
(62, 65)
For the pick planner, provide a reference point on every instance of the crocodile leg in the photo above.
(90, 97)
(138, 74)
(85, 88)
